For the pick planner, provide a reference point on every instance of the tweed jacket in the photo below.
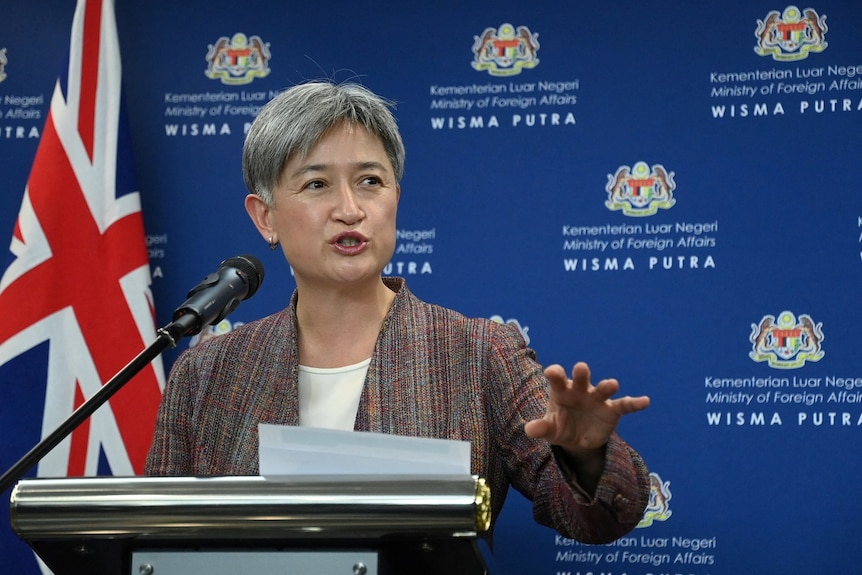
(434, 373)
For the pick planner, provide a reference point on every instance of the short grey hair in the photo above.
(293, 122)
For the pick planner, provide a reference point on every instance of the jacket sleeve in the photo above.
(170, 451)
(519, 394)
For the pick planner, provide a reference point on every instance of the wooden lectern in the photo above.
(254, 525)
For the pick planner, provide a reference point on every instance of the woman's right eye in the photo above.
(315, 185)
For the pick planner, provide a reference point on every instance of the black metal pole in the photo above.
(167, 336)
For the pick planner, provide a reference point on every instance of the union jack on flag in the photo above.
(75, 302)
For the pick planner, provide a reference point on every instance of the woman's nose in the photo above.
(347, 208)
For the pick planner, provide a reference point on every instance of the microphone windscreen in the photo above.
(251, 267)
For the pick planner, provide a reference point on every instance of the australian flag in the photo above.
(75, 300)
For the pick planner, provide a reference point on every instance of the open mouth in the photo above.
(348, 241)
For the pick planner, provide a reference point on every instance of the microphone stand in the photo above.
(167, 336)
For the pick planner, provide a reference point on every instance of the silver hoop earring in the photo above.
(272, 244)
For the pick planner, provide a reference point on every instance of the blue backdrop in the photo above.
(665, 190)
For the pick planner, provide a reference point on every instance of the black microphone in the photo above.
(210, 301)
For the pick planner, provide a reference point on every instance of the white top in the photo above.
(329, 397)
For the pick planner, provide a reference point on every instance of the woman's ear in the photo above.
(258, 210)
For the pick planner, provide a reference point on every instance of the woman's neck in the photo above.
(340, 327)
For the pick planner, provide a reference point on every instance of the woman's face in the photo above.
(335, 209)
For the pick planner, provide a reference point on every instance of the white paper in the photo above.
(292, 450)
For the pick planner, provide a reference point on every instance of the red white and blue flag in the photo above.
(75, 301)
